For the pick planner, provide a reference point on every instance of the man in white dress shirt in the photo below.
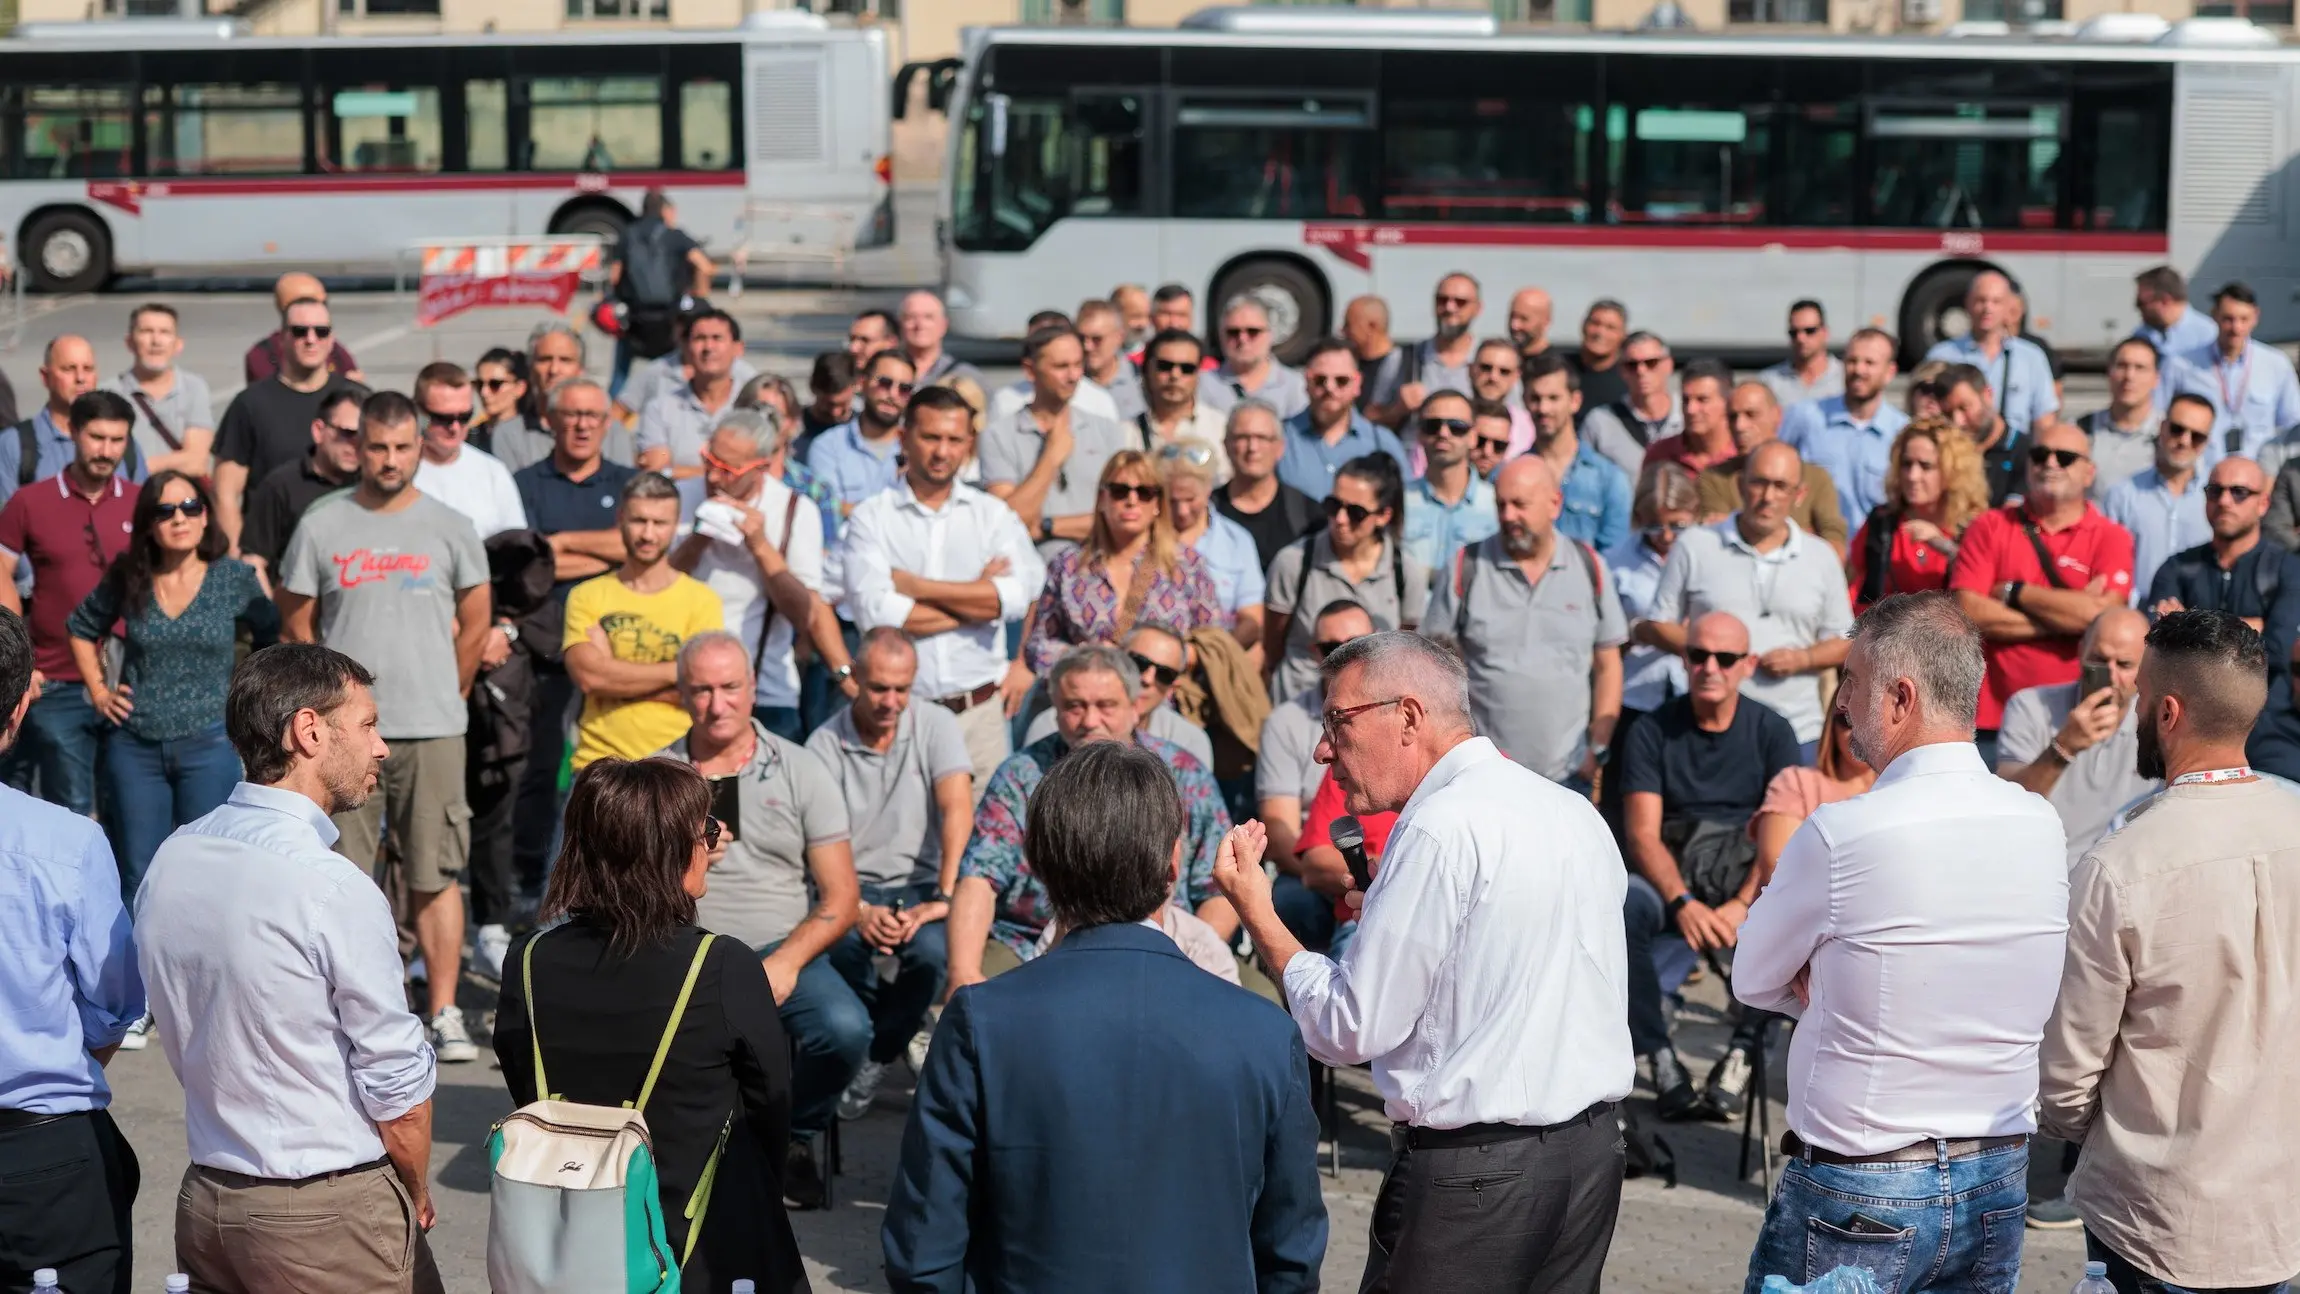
(948, 564)
(1916, 931)
(462, 476)
(1487, 985)
(273, 967)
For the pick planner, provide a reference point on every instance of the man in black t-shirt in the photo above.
(1598, 363)
(655, 264)
(1273, 512)
(1694, 773)
(268, 426)
(279, 500)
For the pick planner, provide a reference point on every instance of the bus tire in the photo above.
(1300, 314)
(602, 219)
(67, 250)
(1925, 311)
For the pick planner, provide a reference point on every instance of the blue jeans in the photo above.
(2129, 1279)
(830, 1028)
(1955, 1224)
(57, 748)
(897, 1009)
(158, 786)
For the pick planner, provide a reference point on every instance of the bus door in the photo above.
(2233, 208)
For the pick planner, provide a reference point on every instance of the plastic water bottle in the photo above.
(178, 1283)
(44, 1279)
(2095, 1280)
(743, 1287)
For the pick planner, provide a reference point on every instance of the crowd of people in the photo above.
(574, 664)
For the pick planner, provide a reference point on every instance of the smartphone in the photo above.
(1861, 1224)
(2091, 679)
(727, 805)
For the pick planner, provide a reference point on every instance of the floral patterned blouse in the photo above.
(1079, 605)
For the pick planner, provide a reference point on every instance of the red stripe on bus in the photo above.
(1355, 243)
(131, 194)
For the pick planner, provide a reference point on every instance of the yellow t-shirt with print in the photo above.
(644, 629)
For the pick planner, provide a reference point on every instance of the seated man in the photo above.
(785, 884)
(1000, 909)
(2075, 743)
(908, 787)
(1694, 774)
(1162, 657)
(1287, 776)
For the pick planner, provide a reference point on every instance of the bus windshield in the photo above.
(1026, 161)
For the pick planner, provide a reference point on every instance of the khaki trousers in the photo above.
(988, 740)
(348, 1233)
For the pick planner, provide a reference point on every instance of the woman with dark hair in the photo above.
(180, 604)
(507, 396)
(1131, 570)
(591, 990)
(1357, 558)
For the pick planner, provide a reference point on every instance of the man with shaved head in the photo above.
(68, 371)
(1754, 416)
(1529, 312)
(1540, 631)
(2016, 368)
(2073, 743)
(1693, 774)
(1381, 361)
(269, 355)
(2239, 570)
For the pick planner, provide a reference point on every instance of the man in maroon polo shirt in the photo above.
(69, 527)
(2031, 614)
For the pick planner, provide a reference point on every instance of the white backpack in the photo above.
(577, 1207)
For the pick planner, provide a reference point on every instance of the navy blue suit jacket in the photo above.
(1109, 1117)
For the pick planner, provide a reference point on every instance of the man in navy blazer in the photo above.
(1109, 1117)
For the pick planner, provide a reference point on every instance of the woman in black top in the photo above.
(619, 937)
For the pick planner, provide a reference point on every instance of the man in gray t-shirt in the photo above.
(2078, 750)
(1046, 489)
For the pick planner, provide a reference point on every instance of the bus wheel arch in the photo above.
(1932, 310)
(1297, 295)
(65, 248)
(603, 217)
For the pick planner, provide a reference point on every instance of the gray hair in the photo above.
(1242, 301)
(709, 640)
(1252, 404)
(761, 428)
(1095, 658)
(1407, 664)
(1925, 638)
(558, 394)
(1153, 627)
(551, 327)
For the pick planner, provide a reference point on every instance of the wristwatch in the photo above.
(844, 672)
(1599, 753)
(1676, 905)
(1046, 530)
(2012, 594)
(938, 897)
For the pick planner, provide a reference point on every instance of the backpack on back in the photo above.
(576, 1204)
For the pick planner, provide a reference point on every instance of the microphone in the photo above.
(1350, 838)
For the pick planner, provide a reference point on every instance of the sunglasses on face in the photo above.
(1243, 332)
(493, 384)
(1638, 365)
(1813, 331)
(2039, 455)
(1493, 446)
(896, 385)
(348, 433)
(1446, 427)
(1173, 366)
(712, 830)
(1165, 674)
(1330, 381)
(1661, 530)
(2176, 435)
(1120, 492)
(1700, 656)
(321, 331)
(1497, 370)
(191, 508)
(445, 419)
(1357, 513)
(2234, 493)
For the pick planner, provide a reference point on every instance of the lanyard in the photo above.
(2234, 404)
(2208, 776)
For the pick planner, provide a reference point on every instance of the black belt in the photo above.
(18, 1120)
(1916, 1152)
(367, 1167)
(1486, 1134)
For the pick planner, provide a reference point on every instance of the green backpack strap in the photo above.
(671, 1030)
(534, 1033)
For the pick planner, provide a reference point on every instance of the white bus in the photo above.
(197, 150)
(1706, 181)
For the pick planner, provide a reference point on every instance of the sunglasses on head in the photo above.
(2039, 455)
(1121, 491)
(322, 331)
(712, 830)
(1174, 365)
(190, 508)
(1699, 656)
(1165, 674)
(1196, 454)
(1445, 426)
(2238, 493)
(1336, 509)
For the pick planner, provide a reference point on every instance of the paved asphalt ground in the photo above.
(1691, 1238)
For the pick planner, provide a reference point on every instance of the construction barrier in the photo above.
(479, 273)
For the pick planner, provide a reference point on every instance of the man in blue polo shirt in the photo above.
(2018, 373)
(1331, 431)
(1597, 492)
(1851, 435)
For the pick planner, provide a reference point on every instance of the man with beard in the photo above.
(1850, 436)
(1450, 506)
(1248, 370)
(2167, 1055)
(2239, 570)
(1597, 492)
(861, 458)
(1046, 461)
(2073, 743)
(1911, 1108)
(1810, 372)
(1647, 413)
(1331, 431)
(2163, 506)
(399, 582)
(1529, 313)
(1968, 400)
(1441, 363)
(269, 423)
(1171, 363)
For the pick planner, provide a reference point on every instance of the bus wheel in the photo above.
(1934, 311)
(67, 251)
(605, 222)
(1299, 313)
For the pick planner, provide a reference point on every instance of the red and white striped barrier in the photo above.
(480, 273)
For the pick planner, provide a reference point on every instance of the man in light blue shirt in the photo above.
(69, 989)
(2167, 321)
(1451, 506)
(2251, 386)
(860, 457)
(2018, 373)
(68, 370)
(1596, 491)
(1851, 435)
(2163, 506)
(1331, 431)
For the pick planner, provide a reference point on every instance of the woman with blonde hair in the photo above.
(1189, 468)
(1131, 570)
(1934, 488)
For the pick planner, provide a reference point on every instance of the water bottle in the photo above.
(743, 1287)
(179, 1283)
(44, 1279)
(2095, 1280)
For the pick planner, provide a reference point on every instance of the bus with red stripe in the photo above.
(1306, 156)
(186, 148)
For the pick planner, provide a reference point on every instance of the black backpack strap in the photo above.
(28, 452)
(1398, 582)
(1464, 576)
(1877, 554)
(2267, 575)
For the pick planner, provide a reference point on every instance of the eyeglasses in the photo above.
(1165, 674)
(1635, 365)
(1814, 331)
(438, 419)
(2237, 493)
(2190, 435)
(1700, 656)
(1357, 513)
(2039, 455)
(1336, 718)
(893, 384)
(320, 331)
(712, 830)
(1174, 365)
(1244, 332)
(1120, 492)
(1196, 454)
(493, 384)
(1446, 427)
(718, 464)
(1493, 445)
(191, 508)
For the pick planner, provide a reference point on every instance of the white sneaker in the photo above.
(449, 1039)
(915, 1050)
(854, 1103)
(139, 1035)
(488, 949)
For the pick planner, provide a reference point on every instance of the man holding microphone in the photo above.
(1487, 984)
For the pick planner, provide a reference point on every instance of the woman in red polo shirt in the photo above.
(1933, 490)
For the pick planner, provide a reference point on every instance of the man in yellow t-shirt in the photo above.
(624, 630)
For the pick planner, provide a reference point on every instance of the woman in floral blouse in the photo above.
(1132, 570)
